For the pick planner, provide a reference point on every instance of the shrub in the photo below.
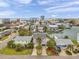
(51, 51)
(39, 51)
(76, 51)
(50, 44)
(68, 52)
(19, 47)
(66, 37)
(10, 44)
(39, 46)
(30, 45)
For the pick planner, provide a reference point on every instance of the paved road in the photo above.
(36, 57)
(4, 43)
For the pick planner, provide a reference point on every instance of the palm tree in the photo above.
(45, 28)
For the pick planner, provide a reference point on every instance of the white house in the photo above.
(22, 39)
(40, 29)
(62, 43)
(78, 37)
(53, 26)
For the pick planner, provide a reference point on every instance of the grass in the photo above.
(8, 51)
(39, 51)
(49, 53)
(74, 41)
(51, 38)
(5, 37)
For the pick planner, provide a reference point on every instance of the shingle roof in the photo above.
(63, 41)
(41, 35)
(22, 38)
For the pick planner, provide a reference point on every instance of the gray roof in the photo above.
(41, 35)
(63, 41)
(22, 38)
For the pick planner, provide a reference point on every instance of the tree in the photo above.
(32, 39)
(39, 46)
(61, 27)
(36, 28)
(29, 27)
(40, 22)
(11, 44)
(19, 47)
(72, 21)
(45, 29)
(39, 40)
(66, 37)
(51, 44)
(30, 45)
(39, 49)
(24, 32)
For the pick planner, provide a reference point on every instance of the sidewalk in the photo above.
(44, 51)
(34, 52)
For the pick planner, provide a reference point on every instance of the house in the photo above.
(6, 32)
(78, 37)
(62, 43)
(22, 39)
(40, 29)
(53, 26)
(67, 25)
(40, 35)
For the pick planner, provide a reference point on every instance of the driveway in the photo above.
(34, 52)
(4, 43)
(44, 51)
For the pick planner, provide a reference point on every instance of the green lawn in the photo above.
(5, 37)
(74, 41)
(8, 51)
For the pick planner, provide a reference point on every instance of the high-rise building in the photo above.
(6, 20)
(42, 17)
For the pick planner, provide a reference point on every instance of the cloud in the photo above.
(68, 9)
(64, 5)
(53, 15)
(44, 2)
(7, 13)
(4, 4)
(23, 1)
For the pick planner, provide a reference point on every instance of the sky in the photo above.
(36, 8)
